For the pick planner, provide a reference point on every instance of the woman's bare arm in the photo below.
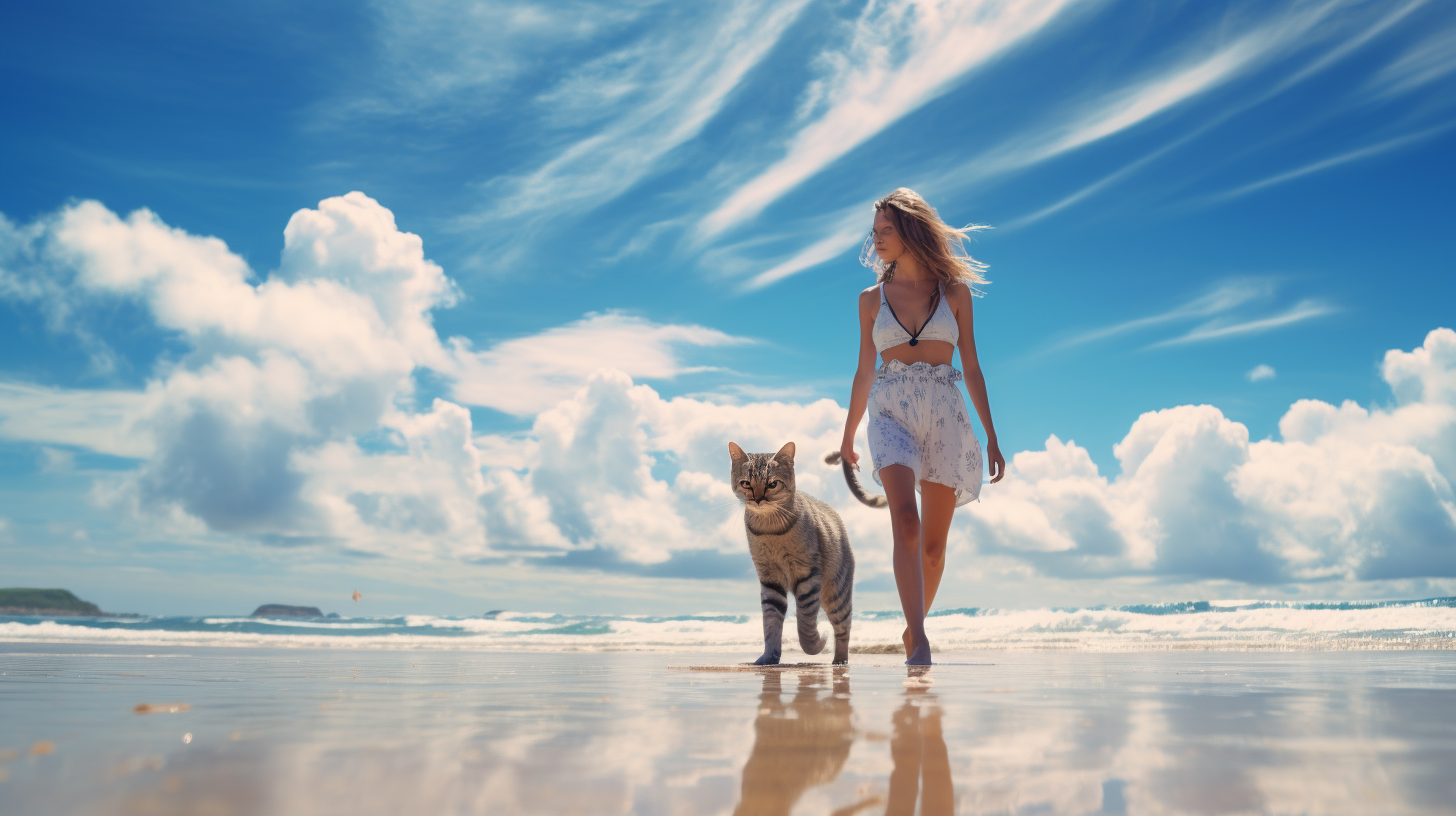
(864, 374)
(959, 296)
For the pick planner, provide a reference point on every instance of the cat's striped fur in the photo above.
(799, 546)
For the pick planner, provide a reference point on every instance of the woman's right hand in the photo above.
(846, 452)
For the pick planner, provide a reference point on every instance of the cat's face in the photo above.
(763, 481)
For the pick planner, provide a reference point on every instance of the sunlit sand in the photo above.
(125, 729)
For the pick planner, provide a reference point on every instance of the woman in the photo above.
(920, 438)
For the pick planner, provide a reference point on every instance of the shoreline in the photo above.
(1410, 626)
(466, 644)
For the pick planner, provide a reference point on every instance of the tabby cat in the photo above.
(798, 544)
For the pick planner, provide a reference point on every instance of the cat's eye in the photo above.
(744, 483)
(773, 484)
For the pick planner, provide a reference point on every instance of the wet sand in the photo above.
(93, 729)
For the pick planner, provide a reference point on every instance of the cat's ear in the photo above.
(785, 454)
(736, 452)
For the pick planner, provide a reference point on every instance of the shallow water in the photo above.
(346, 731)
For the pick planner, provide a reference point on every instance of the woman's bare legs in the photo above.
(899, 483)
(937, 508)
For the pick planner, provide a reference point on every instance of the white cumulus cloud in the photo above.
(292, 417)
(1347, 492)
(311, 356)
(543, 369)
(585, 477)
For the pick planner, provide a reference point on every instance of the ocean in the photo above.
(1193, 625)
(1197, 707)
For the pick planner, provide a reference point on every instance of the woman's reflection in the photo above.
(799, 745)
(918, 748)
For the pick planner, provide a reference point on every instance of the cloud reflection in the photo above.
(474, 732)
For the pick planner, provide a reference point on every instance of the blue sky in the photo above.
(636, 235)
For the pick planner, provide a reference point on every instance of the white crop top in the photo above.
(889, 332)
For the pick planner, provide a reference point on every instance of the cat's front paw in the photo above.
(767, 660)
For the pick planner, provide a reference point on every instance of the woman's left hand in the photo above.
(995, 460)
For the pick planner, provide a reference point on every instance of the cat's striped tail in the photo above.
(872, 499)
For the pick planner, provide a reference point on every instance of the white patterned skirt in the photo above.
(918, 419)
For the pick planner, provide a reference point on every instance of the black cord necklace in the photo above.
(915, 335)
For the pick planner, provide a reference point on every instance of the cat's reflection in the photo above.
(804, 742)
(918, 748)
(799, 744)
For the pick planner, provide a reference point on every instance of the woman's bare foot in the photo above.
(920, 656)
(909, 642)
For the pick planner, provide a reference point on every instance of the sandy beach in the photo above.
(127, 729)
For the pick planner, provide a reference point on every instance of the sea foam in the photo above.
(1191, 625)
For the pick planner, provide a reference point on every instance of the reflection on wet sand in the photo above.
(798, 745)
(276, 732)
(918, 748)
(804, 743)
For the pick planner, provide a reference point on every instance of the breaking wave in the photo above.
(1193, 625)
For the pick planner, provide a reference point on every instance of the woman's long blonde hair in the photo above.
(939, 247)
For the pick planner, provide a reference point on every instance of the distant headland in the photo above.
(45, 602)
(51, 603)
(286, 611)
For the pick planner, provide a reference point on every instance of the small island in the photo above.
(286, 611)
(45, 602)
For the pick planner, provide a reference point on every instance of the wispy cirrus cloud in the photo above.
(1221, 329)
(105, 421)
(1224, 297)
(605, 91)
(851, 228)
(1223, 311)
(1158, 91)
(899, 55)
(453, 60)
(645, 99)
(1363, 32)
(1367, 152)
(1078, 196)
(1103, 116)
(1343, 48)
(1430, 60)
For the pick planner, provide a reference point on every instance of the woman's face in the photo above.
(887, 241)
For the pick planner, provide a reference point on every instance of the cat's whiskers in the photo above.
(771, 514)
